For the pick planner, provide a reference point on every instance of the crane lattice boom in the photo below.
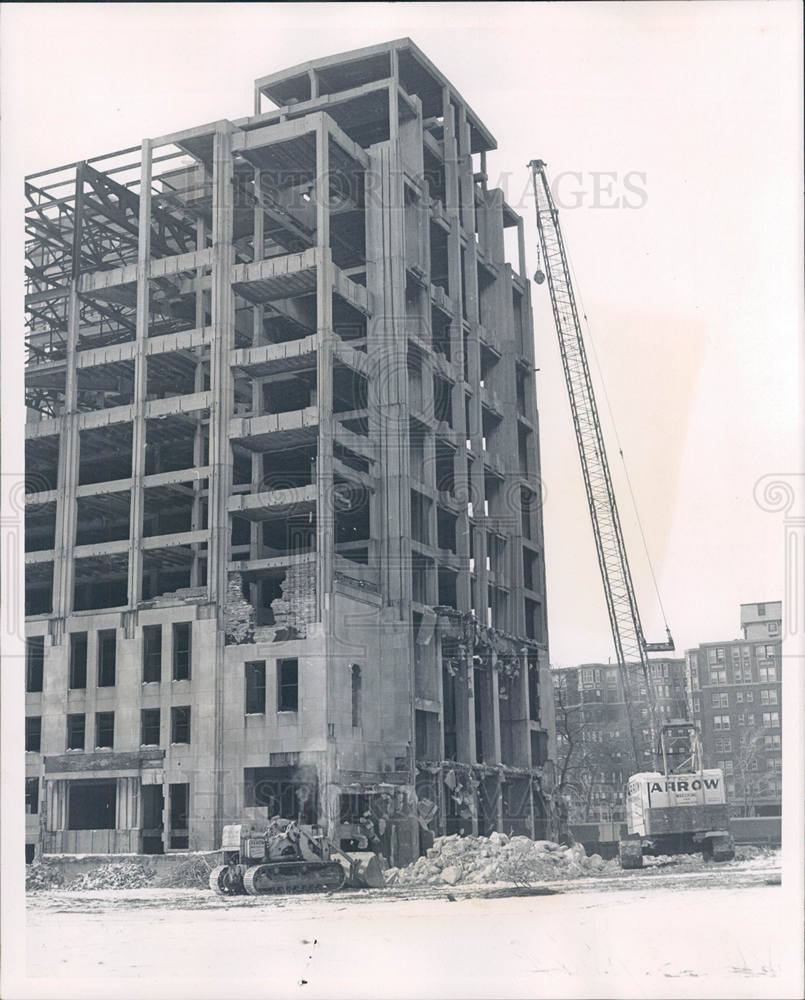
(624, 616)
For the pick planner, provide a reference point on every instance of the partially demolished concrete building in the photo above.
(284, 546)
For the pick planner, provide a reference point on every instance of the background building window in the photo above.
(107, 657)
(721, 722)
(150, 727)
(78, 660)
(34, 663)
(288, 685)
(76, 731)
(182, 651)
(255, 687)
(104, 730)
(180, 724)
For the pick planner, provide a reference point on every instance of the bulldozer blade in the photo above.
(363, 870)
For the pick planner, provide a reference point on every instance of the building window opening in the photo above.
(182, 646)
(180, 724)
(149, 727)
(539, 748)
(533, 689)
(107, 657)
(32, 796)
(179, 794)
(152, 654)
(288, 685)
(33, 733)
(355, 676)
(448, 591)
(76, 731)
(104, 730)
(92, 805)
(255, 687)
(34, 663)
(78, 660)
(284, 791)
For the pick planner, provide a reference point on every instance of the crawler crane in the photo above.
(688, 811)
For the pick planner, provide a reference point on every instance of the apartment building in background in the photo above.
(735, 695)
(594, 747)
(284, 545)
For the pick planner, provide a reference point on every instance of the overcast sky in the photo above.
(692, 289)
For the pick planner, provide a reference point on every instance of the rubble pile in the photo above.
(191, 874)
(457, 860)
(41, 876)
(123, 875)
(749, 852)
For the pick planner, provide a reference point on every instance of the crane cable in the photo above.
(591, 341)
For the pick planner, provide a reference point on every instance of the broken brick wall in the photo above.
(239, 613)
(297, 607)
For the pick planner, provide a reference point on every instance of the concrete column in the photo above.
(69, 447)
(258, 240)
(223, 322)
(324, 371)
(198, 386)
(140, 380)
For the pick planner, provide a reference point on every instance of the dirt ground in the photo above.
(681, 929)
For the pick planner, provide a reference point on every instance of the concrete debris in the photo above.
(748, 852)
(452, 874)
(125, 875)
(483, 860)
(40, 876)
(191, 874)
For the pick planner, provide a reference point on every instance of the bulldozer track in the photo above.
(293, 876)
(224, 885)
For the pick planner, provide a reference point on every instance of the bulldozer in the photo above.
(285, 856)
(677, 811)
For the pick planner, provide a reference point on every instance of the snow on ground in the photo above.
(659, 933)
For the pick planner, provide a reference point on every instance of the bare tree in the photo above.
(750, 782)
(584, 764)
(569, 729)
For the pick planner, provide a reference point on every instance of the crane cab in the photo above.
(677, 811)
